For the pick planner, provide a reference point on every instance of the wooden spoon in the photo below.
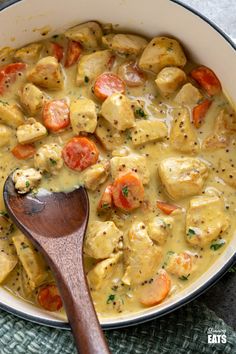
(56, 224)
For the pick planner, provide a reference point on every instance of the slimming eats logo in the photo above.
(216, 336)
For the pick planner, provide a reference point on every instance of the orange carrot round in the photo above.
(106, 84)
(49, 298)
(56, 115)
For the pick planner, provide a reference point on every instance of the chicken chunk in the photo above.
(109, 136)
(32, 261)
(89, 34)
(92, 65)
(6, 55)
(125, 43)
(142, 257)
(227, 172)
(103, 271)
(146, 131)
(206, 219)
(7, 264)
(102, 239)
(179, 264)
(116, 109)
(134, 163)
(83, 116)
(183, 136)
(160, 228)
(162, 52)
(30, 132)
(5, 135)
(32, 99)
(183, 176)
(47, 73)
(11, 115)
(48, 158)
(26, 180)
(169, 80)
(188, 95)
(96, 175)
(220, 137)
(28, 54)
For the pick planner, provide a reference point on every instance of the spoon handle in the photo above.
(69, 272)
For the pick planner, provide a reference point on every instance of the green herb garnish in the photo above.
(111, 298)
(169, 49)
(140, 112)
(183, 277)
(125, 191)
(24, 246)
(27, 184)
(128, 135)
(53, 162)
(105, 206)
(4, 213)
(215, 246)
(191, 232)
(86, 79)
(5, 103)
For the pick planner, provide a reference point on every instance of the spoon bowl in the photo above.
(56, 223)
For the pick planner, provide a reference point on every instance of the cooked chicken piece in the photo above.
(5, 135)
(183, 176)
(206, 219)
(227, 171)
(188, 95)
(134, 163)
(7, 264)
(6, 55)
(103, 271)
(183, 136)
(26, 180)
(179, 264)
(162, 52)
(11, 115)
(95, 175)
(92, 65)
(89, 34)
(32, 99)
(125, 43)
(220, 137)
(146, 131)
(142, 257)
(102, 239)
(116, 109)
(160, 228)
(109, 136)
(169, 80)
(28, 54)
(47, 73)
(48, 158)
(83, 116)
(30, 132)
(32, 261)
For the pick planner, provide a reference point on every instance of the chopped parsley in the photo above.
(24, 246)
(140, 112)
(86, 79)
(105, 205)
(128, 135)
(183, 277)
(170, 49)
(111, 298)
(4, 213)
(125, 191)
(27, 184)
(191, 232)
(5, 103)
(53, 162)
(215, 246)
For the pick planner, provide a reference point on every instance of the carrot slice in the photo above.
(80, 153)
(9, 73)
(166, 207)
(131, 74)
(23, 152)
(199, 112)
(74, 51)
(56, 50)
(207, 79)
(155, 292)
(56, 115)
(128, 191)
(106, 84)
(105, 203)
(49, 298)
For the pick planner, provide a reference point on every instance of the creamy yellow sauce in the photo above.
(114, 297)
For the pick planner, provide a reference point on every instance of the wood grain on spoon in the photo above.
(56, 223)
